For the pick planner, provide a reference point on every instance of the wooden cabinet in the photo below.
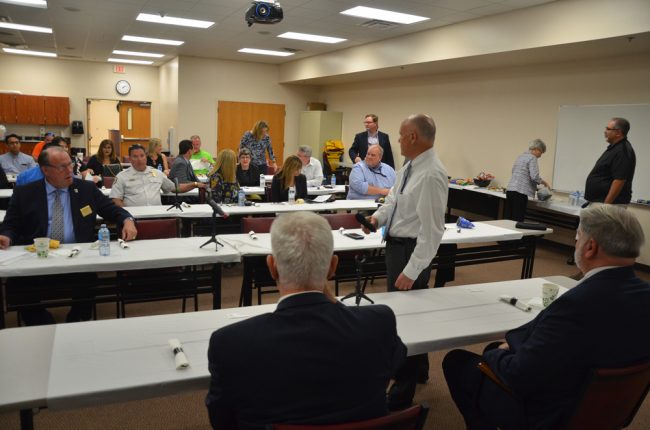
(7, 108)
(38, 110)
(57, 111)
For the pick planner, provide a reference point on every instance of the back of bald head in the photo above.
(424, 126)
(48, 150)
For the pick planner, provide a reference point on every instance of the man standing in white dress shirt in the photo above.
(414, 220)
(311, 167)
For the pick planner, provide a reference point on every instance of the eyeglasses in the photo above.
(62, 167)
(611, 129)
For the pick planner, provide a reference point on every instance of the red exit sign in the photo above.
(119, 68)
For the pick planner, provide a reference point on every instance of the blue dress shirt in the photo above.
(382, 176)
(68, 229)
(30, 175)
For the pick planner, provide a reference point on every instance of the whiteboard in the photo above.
(581, 141)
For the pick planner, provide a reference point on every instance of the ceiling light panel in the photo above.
(140, 39)
(31, 3)
(138, 54)
(171, 20)
(265, 52)
(23, 27)
(384, 15)
(27, 52)
(311, 37)
(124, 60)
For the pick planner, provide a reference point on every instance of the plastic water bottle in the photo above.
(160, 167)
(241, 198)
(262, 181)
(104, 237)
(292, 195)
(333, 182)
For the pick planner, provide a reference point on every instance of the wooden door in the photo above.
(135, 124)
(7, 109)
(57, 111)
(30, 109)
(235, 118)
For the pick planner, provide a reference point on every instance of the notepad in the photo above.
(321, 199)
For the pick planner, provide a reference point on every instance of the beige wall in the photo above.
(78, 80)
(203, 82)
(486, 118)
(169, 103)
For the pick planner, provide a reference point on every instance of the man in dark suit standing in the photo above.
(59, 207)
(325, 362)
(372, 136)
(600, 323)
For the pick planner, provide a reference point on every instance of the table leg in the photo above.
(26, 419)
(216, 286)
(247, 284)
(2, 305)
(530, 243)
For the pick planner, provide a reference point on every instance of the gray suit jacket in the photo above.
(182, 170)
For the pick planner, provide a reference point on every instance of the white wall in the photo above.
(79, 80)
(486, 118)
(203, 82)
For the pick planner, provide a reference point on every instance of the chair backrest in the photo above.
(108, 181)
(341, 220)
(126, 159)
(407, 419)
(612, 398)
(270, 170)
(165, 228)
(258, 225)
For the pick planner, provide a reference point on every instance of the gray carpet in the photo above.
(186, 411)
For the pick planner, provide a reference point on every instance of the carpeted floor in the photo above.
(186, 411)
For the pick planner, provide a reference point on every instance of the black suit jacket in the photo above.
(360, 147)
(323, 363)
(602, 322)
(27, 213)
(280, 195)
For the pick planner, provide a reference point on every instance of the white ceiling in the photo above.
(91, 29)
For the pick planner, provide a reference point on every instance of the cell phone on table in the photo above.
(353, 235)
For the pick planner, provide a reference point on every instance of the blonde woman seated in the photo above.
(289, 176)
(223, 177)
(155, 157)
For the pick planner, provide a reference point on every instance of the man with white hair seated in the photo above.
(323, 362)
(311, 167)
(600, 323)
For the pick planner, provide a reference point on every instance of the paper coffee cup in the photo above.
(42, 245)
(549, 293)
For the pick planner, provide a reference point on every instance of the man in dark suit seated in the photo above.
(323, 362)
(600, 323)
(63, 208)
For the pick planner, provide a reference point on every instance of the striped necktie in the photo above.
(57, 227)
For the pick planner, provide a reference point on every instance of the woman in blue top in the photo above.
(258, 142)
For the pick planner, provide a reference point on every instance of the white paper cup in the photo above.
(42, 245)
(549, 293)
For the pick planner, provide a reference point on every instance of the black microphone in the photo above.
(176, 183)
(364, 222)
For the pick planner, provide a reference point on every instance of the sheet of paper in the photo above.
(322, 199)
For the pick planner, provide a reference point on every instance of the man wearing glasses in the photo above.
(140, 184)
(63, 208)
(372, 136)
(610, 181)
(370, 178)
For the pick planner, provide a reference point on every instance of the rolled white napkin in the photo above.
(74, 251)
(179, 355)
(252, 235)
(123, 244)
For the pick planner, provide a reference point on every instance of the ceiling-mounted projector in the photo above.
(264, 12)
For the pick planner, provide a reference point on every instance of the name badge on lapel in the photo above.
(86, 211)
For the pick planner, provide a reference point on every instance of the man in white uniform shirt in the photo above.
(140, 185)
(311, 167)
(414, 220)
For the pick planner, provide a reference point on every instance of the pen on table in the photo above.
(515, 302)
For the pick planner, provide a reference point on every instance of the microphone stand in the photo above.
(214, 207)
(358, 293)
(177, 203)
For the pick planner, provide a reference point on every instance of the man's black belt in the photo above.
(401, 240)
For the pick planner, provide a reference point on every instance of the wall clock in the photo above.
(123, 87)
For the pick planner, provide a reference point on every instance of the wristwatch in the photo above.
(196, 184)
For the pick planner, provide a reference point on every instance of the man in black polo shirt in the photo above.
(610, 181)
